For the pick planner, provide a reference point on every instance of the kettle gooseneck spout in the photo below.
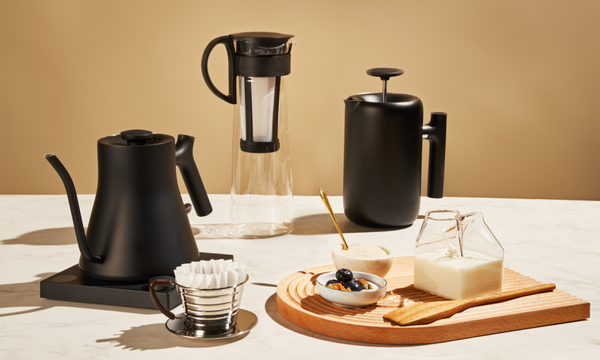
(74, 205)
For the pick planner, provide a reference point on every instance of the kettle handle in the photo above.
(184, 159)
(159, 306)
(226, 40)
(435, 132)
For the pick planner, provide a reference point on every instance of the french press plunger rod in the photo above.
(384, 74)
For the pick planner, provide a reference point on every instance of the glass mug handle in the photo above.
(159, 306)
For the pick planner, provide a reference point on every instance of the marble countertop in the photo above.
(554, 241)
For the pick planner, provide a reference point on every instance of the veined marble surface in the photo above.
(549, 240)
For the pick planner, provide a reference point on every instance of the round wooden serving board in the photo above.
(299, 302)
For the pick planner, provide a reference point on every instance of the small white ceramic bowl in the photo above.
(378, 266)
(353, 299)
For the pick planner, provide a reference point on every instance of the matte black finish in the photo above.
(252, 54)
(260, 54)
(382, 159)
(264, 66)
(261, 147)
(139, 228)
(261, 43)
(74, 206)
(72, 285)
(385, 73)
(436, 134)
(136, 137)
(78, 288)
(226, 40)
(184, 159)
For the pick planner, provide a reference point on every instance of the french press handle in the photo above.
(226, 40)
(435, 132)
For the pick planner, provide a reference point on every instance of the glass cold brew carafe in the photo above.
(261, 187)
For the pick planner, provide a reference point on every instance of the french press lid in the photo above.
(384, 97)
(384, 74)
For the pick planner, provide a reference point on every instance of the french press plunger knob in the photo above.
(384, 74)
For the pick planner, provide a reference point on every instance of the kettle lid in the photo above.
(136, 138)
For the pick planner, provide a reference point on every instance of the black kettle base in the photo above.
(72, 285)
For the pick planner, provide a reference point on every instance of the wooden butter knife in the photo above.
(428, 312)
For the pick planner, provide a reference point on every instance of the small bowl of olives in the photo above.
(351, 289)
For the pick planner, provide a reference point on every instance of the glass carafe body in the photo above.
(261, 185)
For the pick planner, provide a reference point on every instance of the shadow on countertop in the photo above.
(27, 294)
(157, 337)
(318, 224)
(144, 337)
(56, 236)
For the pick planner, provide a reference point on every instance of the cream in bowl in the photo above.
(367, 258)
(352, 299)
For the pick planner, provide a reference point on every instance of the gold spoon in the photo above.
(337, 226)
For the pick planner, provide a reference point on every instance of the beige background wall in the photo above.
(520, 81)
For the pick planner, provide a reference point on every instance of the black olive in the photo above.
(344, 275)
(332, 281)
(354, 285)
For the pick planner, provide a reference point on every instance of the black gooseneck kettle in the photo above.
(139, 227)
(383, 140)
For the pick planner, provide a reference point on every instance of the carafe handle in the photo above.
(435, 132)
(228, 42)
(159, 306)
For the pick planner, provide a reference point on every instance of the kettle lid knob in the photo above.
(136, 137)
(385, 73)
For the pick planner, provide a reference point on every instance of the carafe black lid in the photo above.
(259, 43)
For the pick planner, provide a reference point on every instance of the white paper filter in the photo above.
(211, 274)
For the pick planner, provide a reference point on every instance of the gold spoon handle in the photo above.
(337, 226)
